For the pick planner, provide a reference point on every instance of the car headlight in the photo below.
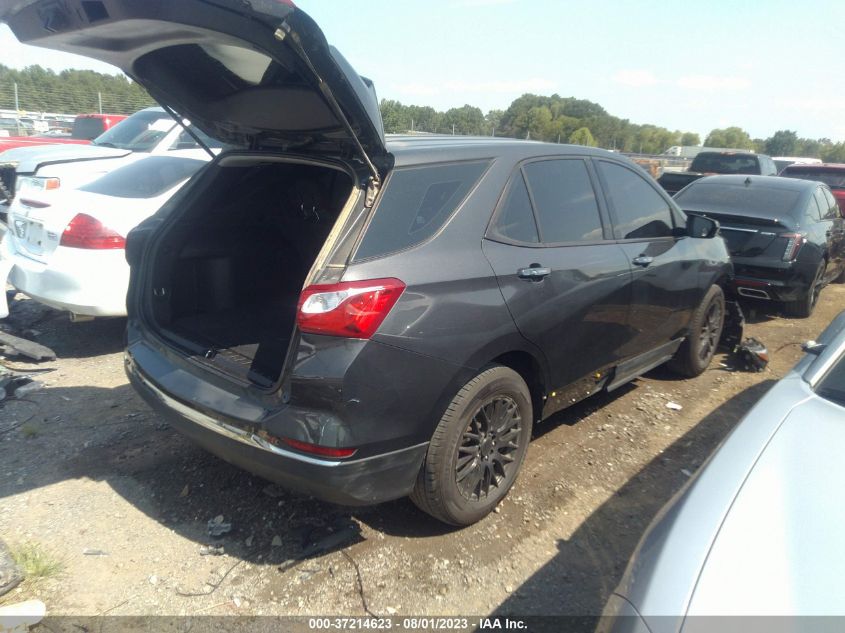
(36, 183)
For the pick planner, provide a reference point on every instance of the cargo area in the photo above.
(227, 274)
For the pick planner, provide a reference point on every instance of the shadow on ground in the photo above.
(588, 566)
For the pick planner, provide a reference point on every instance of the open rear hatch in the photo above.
(251, 74)
(222, 279)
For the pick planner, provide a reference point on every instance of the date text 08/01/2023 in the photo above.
(417, 624)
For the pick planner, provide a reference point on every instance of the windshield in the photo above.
(139, 133)
(145, 178)
(833, 178)
(738, 199)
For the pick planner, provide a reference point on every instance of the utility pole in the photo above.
(100, 100)
(453, 129)
(17, 110)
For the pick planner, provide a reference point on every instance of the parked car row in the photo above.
(363, 317)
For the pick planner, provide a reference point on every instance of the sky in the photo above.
(762, 65)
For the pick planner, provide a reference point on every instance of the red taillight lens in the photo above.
(322, 451)
(794, 242)
(83, 231)
(353, 309)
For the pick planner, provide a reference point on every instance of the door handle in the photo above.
(534, 273)
(643, 260)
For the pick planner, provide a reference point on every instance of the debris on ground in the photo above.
(674, 406)
(12, 345)
(10, 575)
(212, 550)
(94, 552)
(218, 527)
(17, 618)
(752, 355)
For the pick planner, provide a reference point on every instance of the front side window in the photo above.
(565, 201)
(641, 213)
(415, 204)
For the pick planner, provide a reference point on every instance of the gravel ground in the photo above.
(90, 475)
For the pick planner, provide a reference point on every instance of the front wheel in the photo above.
(697, 350)
(477, 448)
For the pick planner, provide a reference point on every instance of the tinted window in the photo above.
(145, 178)
(821, 201)
(768, 202)
(87, 128)
(515, 220)
(640, 211)
(564, 200)
(833, 178)
(416, 202)
(186, 141)
(832, 386)
(832, 205)
(725, 164)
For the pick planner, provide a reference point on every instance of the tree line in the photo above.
(552, 118)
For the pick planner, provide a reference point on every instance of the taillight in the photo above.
(354, 309)
(794, 242)
(83, 231)
(315, 449)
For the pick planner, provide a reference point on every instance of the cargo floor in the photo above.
(248, 342)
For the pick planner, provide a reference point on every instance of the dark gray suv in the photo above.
(363, 318)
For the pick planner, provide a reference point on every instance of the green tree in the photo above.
(690, 138)
(731, 137)
(835, 153)
(782, 143)
(582, 136)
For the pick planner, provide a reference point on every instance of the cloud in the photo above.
(536, 84)
(713, 82)
(635, 78)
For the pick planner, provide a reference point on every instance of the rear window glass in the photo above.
(415, 204)
(87, 128)
(145, 178)
(725, 164)
(833, 178)
(516, 219)
(566, 203)
(738, 200)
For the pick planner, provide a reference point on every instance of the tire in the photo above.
(695, 353)
(803, 307)
(461, 494)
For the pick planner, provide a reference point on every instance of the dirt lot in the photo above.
(106, 489)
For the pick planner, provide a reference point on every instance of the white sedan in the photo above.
(66, 250)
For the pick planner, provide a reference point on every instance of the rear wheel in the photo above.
(477, 448)
(696, 352)
(803, 306)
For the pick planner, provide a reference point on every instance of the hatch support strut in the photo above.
(282, 34)
(188, 129)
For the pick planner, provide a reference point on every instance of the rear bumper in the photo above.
(90, 283)
(786, 283)
(353, 482)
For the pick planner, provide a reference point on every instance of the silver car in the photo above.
(760, 530)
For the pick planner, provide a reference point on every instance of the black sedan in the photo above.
(786, 237)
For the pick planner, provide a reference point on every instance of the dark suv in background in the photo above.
(364, 318)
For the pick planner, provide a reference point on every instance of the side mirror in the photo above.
(699, 226)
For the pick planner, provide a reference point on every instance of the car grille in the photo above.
(7, 182)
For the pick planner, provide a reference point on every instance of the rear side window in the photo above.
(565, 201)
(515, 221)
(415, 204)
(145, 178)
(832, 205)
(824, 205)
(640, 211)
